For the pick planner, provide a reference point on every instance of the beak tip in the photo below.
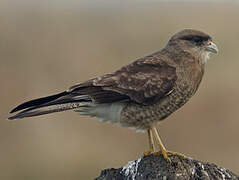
(212, 47)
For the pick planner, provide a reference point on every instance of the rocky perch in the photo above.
(156, 168)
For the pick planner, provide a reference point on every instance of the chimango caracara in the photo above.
(138, 95)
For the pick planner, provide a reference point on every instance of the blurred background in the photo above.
(47, 46)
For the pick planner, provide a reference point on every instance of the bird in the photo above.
(138, 95)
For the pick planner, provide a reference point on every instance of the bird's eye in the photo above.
(195, 39)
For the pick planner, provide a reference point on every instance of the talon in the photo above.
(147, 153)
(157, 153)
(171, 153)
(165, 155)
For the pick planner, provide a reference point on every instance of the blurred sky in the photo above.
(90, 3)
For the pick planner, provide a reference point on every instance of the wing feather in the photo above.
(141, 81)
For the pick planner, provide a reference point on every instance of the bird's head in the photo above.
(195, 42)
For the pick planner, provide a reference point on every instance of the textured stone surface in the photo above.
(156, 168)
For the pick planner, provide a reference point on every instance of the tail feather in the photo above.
(39, 101)
(30, 112)
(50, 104)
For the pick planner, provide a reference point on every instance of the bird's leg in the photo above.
(163, 149)
(161, 146)
(151, 143)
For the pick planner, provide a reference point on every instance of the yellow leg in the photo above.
(151, 143)
(163, 150)
(161, 146)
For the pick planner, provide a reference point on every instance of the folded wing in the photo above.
(142, 82)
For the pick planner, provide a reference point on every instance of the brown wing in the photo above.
(141, 81)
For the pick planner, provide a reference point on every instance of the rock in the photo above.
(157, 168)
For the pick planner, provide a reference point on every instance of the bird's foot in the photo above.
(166, 154)
(171, 153)
(147, 153)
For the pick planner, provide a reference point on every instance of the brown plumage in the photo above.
(139, 94)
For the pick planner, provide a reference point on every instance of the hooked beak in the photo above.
(211, 47)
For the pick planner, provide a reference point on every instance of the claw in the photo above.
(166, 155)
(171, 153)
(147, 153)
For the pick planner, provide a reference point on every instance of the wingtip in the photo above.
(36, 102)
(13, 110)
(16, 116)
(12, 118)
(16, 109)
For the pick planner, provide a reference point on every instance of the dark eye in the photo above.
(195, 39)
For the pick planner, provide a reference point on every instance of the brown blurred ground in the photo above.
(44, 50)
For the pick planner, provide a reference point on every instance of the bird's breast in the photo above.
(143, 116)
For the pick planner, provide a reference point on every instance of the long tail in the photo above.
(50, 104)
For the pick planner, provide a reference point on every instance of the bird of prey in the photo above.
(140, 94)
